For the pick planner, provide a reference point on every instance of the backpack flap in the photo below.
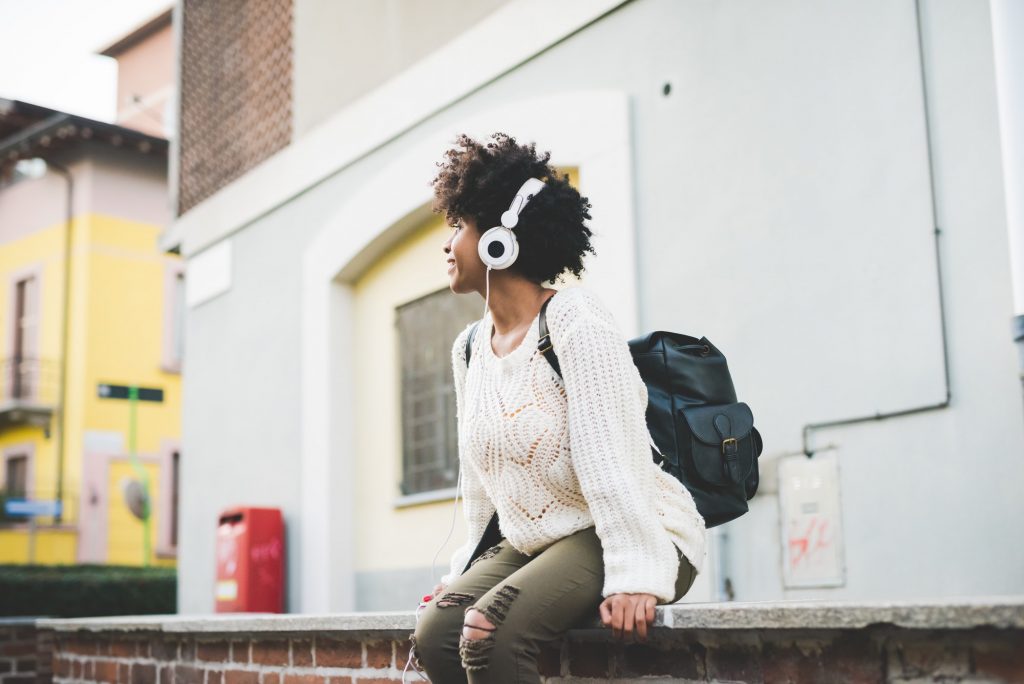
(723, 449)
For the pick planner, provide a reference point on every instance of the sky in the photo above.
(48, 51)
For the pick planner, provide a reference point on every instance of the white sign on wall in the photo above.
(812, 531)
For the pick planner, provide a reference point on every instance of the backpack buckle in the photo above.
(729, 446)
(548, 343)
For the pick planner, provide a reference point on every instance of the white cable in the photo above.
(487, 297)
(451, 529)
(455, 508)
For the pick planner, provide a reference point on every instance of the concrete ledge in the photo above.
(1001, 612)
(977, 639)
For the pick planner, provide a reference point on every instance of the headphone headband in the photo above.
(526, 192)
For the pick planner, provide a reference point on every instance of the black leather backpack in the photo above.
(702, 436)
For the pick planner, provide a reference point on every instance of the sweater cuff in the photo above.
(655, 578)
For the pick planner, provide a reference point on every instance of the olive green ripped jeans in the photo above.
(529, 600)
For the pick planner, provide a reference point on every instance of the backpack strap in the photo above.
(469, 342)
(543, 344)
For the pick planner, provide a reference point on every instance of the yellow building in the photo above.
(89, 306)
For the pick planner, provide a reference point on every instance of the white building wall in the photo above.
(783, 207)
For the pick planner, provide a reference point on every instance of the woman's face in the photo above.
(465, 269)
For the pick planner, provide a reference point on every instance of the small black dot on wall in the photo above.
(666, 89)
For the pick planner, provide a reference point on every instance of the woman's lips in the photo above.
(451, 265)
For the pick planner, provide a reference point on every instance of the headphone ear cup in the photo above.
(498, 248)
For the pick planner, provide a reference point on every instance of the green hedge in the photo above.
(87, 590)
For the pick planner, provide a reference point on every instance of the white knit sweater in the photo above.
(556, 455)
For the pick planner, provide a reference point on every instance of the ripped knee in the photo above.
(476, 625)
(481, 622)
(476, 641)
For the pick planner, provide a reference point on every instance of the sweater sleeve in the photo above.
(609, 447)
(477, 508)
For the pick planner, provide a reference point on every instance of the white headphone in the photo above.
(498, 247)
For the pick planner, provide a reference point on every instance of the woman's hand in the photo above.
(625, 613)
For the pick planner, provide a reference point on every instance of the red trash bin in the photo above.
(250, 561)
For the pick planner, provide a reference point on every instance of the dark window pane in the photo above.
(16, 477)
(427, 328)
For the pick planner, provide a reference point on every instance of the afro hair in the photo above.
(479, 181)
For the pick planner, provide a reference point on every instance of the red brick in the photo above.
(733, 662)
(167, 674)
(1001, 658)
(240, 651)
(788, 665)
(271, 678)
(270, 653)
(302, 653)
(588, 659)
(678, 660)
(61, 667)
(214, 677)
(143, 673)
(187, 674)
(187, 650)
(78, 646)
(240, 677)
(375, 680)
(932, 657)
(335, 653)
(122, 649)
(212, 651)
(25, 665)
(853, 657)
(78, 669)
(164, 649)
(124, 673)
(379, 654)
(339, 680)
(16, 648)
(105, 671)
(303, 679)
(402, 654)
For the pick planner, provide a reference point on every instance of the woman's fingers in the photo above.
(628, 616)
(606, 612)
(641, 618)
(617, 617)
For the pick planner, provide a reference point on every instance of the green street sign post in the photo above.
(134, 394)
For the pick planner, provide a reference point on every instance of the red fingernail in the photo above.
(427, 597)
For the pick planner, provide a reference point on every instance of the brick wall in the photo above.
(772, 642)
(879, 654)
(229, 659)
(25, 654)
(235, 89)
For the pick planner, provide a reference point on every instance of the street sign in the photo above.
(106, 391)
(32, 508)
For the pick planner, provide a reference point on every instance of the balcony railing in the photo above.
(29, 390)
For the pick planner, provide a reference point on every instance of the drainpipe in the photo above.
(65, 314)
(1008, 49)
(811, 427)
